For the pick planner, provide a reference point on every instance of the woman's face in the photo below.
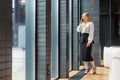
(84, 17)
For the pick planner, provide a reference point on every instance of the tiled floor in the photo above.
(18, 64)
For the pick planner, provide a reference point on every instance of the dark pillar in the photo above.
(43, 43)
(63, 39)
(6, 40)
(75, 42)
(16, 10)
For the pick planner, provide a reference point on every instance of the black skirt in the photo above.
(85, 52)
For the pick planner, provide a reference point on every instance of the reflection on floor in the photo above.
(18, 64)
(102, 74)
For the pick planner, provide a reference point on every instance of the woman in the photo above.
(86, 27)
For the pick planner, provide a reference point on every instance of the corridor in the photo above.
(47, 31)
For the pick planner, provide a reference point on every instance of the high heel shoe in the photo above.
(94, 70)
(86, 71)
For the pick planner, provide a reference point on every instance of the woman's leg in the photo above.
(93, 65)
(86, 64)
(86, 67)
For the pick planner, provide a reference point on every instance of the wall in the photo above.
(92, 7)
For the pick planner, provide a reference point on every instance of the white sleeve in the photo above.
(78, 28)
(91, 32)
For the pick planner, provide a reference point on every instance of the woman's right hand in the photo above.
(81, 21)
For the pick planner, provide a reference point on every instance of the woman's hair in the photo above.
(88, 15)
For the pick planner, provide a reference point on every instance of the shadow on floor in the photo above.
(78, 76)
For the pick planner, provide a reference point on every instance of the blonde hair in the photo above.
(88, 15)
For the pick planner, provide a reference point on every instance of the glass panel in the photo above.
(54, 40)
(116, 35)
(116, 23)
(104, 6)
(116, 6)
(18, 42)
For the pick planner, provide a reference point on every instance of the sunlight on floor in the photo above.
(101, 74)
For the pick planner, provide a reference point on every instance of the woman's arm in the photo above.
(80, 25)
(78, 28)
(91, 32)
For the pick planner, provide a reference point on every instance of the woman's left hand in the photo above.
(88, 44)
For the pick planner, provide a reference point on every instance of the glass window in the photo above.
(18, 39)
(54, 39)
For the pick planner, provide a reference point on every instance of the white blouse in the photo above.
(87, 28)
